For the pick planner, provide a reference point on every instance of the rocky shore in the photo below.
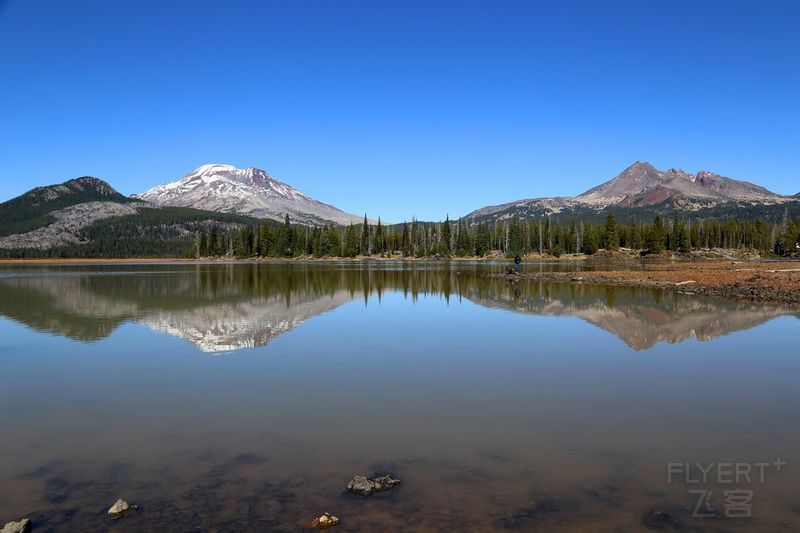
(753, 281)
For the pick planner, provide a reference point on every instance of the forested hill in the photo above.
(34, 208)
(146, 231)
(86, 217)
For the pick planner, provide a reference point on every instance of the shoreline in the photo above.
(623, 256)
(757, 281)
(358, 259)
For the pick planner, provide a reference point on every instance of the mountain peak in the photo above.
(640, 166)
(250, 176)
(643, 185)
(91, 183)
(211, 168)
(83, 187)
(706, 173)
(250, 191)
(638, 177)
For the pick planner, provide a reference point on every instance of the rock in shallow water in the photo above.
(661, 519)
(364, 486)
(325, 521)
(23, 526)
(119, 508)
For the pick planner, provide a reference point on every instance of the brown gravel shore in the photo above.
(755, 281)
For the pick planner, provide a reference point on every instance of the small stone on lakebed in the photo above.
(661, 519)
(325, 521)
(23, 526)
(119, 508)
(364, 486)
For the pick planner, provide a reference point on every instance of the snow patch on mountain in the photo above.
(249, 191)
(246, 324)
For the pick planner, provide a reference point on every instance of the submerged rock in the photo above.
(119, 508)
(364, 486)
(23, 526)
(661, 519)
(325, 521)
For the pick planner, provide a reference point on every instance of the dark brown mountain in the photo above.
(643, 185)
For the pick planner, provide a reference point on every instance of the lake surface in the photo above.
(244, 397)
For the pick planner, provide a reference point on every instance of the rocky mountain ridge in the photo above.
(641, 185)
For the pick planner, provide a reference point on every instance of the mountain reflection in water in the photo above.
(224, 307)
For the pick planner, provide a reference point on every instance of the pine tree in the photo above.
(416, 239)
(212, 243)
(548, 230)
(202, 248)
(329, 243)
(351, 244)
(591, 242)
(365, 240)
(637, 237)
(514, 246)
(694, 234)
(611, 236)
(464, 246)
(656, 236)
(483, 240)
(541, 240)
(573, 235)
(784, 246)
(445, 232)
(284, 244)
(684, 241)
(405, 243)
(377, 241)
(263, 239)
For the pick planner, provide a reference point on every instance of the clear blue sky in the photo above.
(399, 108)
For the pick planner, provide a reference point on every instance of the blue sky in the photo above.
(399, 108)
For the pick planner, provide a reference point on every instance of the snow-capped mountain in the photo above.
(249, 323)
(643, 185)
(249, 191)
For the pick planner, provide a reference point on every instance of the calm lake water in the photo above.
(244, 397)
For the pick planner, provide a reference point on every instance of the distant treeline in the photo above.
(175, 234)
(509, 238)
(162, 232)
(107, 248)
